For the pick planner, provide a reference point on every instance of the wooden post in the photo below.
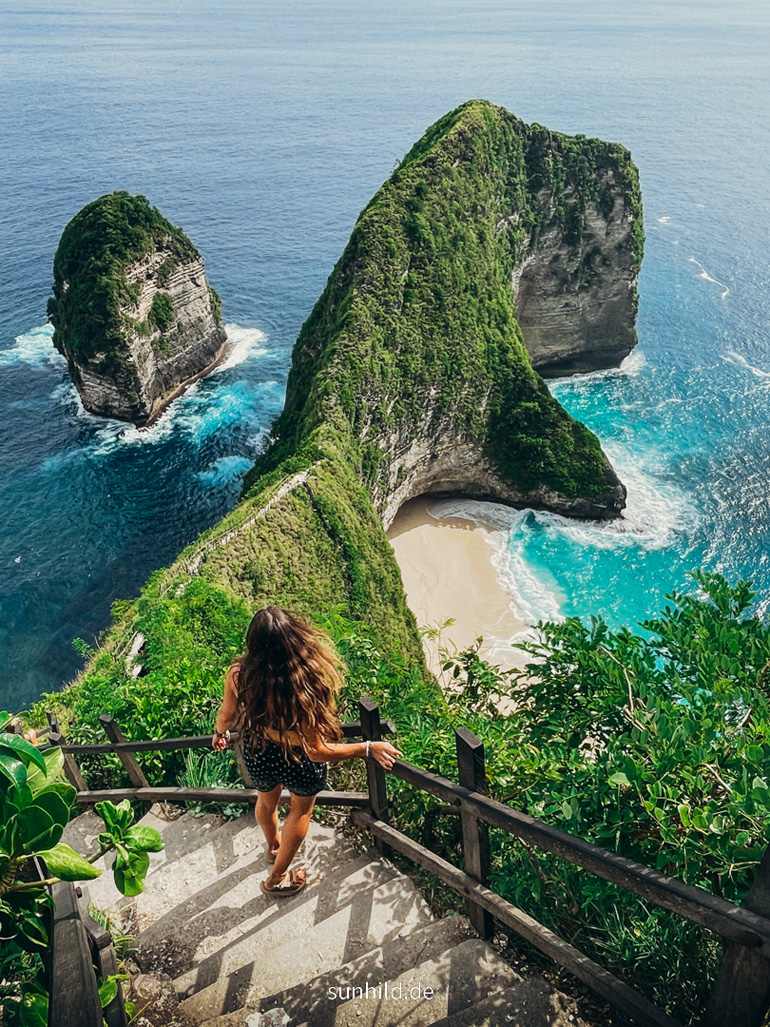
(53, 723)
(741, 993)
(371, 730)
(71, 769)
(473, 775)
(132, 768)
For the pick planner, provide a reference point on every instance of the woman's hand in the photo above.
(220, 741)
(385, 753)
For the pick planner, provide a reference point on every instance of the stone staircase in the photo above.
(239, 958)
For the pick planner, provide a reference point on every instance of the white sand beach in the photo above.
(447, 572)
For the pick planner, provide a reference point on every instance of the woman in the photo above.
(281, 691)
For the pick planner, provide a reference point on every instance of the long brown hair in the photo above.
(287, 678)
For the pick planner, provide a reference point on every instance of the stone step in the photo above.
(195, 868)
(230, 906)
(458, 979)
(311, 1000)
(351, 912)
(269, 921)
(531, 1002)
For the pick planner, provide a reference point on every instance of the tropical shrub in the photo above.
(35, 807)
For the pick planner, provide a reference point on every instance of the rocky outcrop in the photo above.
(132, 309)
(494, 246)
(576, 300)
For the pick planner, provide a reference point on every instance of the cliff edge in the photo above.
(132, 309)
(494, 246)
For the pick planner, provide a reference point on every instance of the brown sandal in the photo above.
(295, 884)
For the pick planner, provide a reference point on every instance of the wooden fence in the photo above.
(741, 993)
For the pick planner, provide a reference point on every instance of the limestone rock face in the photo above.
(132, 309)
(576, 300)
(443, 466)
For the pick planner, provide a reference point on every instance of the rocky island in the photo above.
(132, 309)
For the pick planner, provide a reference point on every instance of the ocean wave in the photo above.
(656, 515)
(33, 348)
(244, 344)
(227, 470)
(628, 368)
(737, 358)
(532, 598)
(707, 277)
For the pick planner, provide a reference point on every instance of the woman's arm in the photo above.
(228, 713)
(320, 751)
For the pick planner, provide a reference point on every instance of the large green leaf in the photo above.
(63, 789)
(129, 870)
(108, 991)
(63, 862)
(31, 830)
(54, 764)
(12, 768)
(53, 804)
(143, 839)
(33, 1010)
(29, 932)
(26, 752)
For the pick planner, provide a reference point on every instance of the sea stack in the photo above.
(132, 309)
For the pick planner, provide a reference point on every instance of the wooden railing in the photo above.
(741, 994)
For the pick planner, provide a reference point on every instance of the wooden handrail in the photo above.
(599, 979)
(352, 730)
(247, 796)
(747, 928)
(696, 904)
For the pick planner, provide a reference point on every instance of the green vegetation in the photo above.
(90, 286)
(417, 325)
(654, 745)
(35, 807)
(216, 306)
(161, 312)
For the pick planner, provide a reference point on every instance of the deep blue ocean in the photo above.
(262, 129)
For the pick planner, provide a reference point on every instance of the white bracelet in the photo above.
(367, 749)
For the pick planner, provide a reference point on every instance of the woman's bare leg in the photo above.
(266, 812)
(294, 830)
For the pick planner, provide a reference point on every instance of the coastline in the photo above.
(447, 571)
(164, 403)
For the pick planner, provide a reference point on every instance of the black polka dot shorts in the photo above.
(269, 767)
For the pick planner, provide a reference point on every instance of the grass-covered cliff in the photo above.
(412, 362)
(90, 284)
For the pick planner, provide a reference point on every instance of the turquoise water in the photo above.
(263, 130)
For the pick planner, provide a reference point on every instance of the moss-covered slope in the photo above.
(132, 310)
(412, 363)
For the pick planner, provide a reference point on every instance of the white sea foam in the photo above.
(737, 358)
(225, 471)
(198, 412)
(628, 368)
(655, 514)
(664, 220)
(707, 277)
(33, 348)
(243, 344)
